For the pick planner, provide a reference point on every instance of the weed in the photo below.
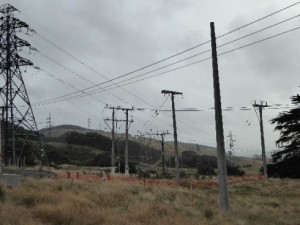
(62, 202)
(60, 187)
(272, 204)
(28, 200)
(2, 193)
(208, 213)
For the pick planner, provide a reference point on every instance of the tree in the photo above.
(288, 123)
(233, 170)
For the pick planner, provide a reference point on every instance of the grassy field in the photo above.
(66, 202)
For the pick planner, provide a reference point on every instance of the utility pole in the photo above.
(126, 131)
(262, 138)
(140, 136)
(162, 135)
(173, 93)
(118, 156)
(222, 176)
(126, 140)
(113, 158)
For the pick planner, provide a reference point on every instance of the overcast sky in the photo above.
(114, 37)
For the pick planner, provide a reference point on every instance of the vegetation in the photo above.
(288, 123)
(66, 202)
(93, 149)
(286, 161)
(89, 139)
(207, 165)
(289, 167)
(78, 146)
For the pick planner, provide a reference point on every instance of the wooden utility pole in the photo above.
(162, 135)
(173, 93)
(113, 158)
(262, 138)
(163, 153)
(126, 140)
(222, 175)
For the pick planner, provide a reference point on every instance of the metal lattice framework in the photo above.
(19, 121)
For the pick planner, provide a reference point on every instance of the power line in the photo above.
(230, 108)
(76, 74)
(169, 57)
(258, 31)
(121, 76)
(156, 113)
(80, 61)
(260, 19)
(120, 84)
(125, 84)
(261, 40)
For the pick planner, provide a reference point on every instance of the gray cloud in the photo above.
(116, 37)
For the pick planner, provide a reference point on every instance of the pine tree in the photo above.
(288, 123)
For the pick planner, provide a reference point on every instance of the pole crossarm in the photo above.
(171, 92)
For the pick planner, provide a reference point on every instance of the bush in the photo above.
(2, 193)
(206, 170)
(287, 168)
(234, 170)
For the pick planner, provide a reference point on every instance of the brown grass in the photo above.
(67, 202)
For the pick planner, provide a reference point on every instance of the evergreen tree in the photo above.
(288, 123)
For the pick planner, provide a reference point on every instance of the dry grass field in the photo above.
(79, 202)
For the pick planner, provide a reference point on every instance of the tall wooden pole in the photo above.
(113, 160)
(173, 93)
(222, 175)
(126, 145)
(262, 137)
(175, 141)
(263, 142)
(163, 155)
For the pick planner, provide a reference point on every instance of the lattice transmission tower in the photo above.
(19, 124)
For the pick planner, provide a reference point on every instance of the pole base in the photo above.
(127, 171)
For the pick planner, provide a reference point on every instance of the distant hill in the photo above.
(57, 131)
(81, 146)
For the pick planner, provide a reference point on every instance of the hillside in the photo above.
(69, 144)
(57, 131)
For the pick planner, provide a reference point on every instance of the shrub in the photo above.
(208, 213)
(2, 193)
